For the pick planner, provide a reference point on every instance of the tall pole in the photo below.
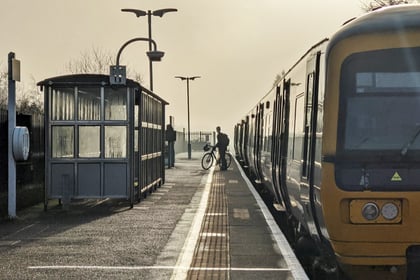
(149, 13)
(12, 125)
(149, 21)
(188, 109)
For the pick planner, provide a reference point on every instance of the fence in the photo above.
(198, 140)
(30, 173)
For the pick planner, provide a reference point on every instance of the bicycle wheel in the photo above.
(228, 158)
(207, 161)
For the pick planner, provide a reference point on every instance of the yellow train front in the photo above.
(370, 191)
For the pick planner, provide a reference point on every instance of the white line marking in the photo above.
(25, 228)
(212, 234)
(19, 230)
(241, 214)
(96, 267)
(141, 207)
(287, 252)
(216, 214)
(187, 252)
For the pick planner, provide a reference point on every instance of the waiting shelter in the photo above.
(102, 140)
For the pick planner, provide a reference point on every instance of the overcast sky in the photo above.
(236, 46)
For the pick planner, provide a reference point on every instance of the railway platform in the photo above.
(238, 238)
(198, 225)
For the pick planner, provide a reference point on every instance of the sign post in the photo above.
(13, 76)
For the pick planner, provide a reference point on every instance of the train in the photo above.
(336, 145)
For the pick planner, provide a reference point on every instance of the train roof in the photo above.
(92, 80)
(388, 19)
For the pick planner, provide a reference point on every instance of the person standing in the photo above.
(222, 143)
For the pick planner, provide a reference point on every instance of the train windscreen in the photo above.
(379, 110)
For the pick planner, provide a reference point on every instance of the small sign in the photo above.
(396, 177)
(117, 75)
(16, 70)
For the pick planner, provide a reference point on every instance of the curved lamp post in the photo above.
(117, 73)
(149, 14)
(154, 55)
(188, 108)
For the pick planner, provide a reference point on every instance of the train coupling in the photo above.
(413, 262)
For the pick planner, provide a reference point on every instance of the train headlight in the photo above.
(375, 211)
(389, 211)
(370, 211)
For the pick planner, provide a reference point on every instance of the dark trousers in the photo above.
(222, 154)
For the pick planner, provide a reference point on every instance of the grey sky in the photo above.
(237, 46)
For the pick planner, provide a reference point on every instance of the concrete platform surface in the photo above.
(198, 225)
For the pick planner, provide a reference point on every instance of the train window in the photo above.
(383, 82)
(298, 132)
(379, 97)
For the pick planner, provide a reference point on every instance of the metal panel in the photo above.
(89, 180)
(62, 180)
(115, 179)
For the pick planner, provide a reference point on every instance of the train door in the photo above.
(275, 149)
(284, 141)
(246, 142)
(241, 142)
(259, 118)
(309, 142)
(280, 142)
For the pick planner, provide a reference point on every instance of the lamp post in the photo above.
(188, 108)
(117, 73)
(149, 14)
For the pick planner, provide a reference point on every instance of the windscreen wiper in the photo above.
(404, 150)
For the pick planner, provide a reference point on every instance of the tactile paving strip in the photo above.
(211, 256)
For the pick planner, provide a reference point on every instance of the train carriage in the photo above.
(344, 148)
(371, 150)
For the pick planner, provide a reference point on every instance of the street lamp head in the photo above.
(161, 12)
(188, 78)
(155, 55)
(139, 13)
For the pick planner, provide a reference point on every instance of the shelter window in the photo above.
(62, 142)
(89, 141)
(115, 141)
(115, 104)
(89, 103)
(62, 104)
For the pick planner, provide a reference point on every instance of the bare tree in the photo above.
(96, 61)
(373, 5)
(3, 89)
(278, 78)
(29, 100)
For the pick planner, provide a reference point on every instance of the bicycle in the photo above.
(210, 157)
